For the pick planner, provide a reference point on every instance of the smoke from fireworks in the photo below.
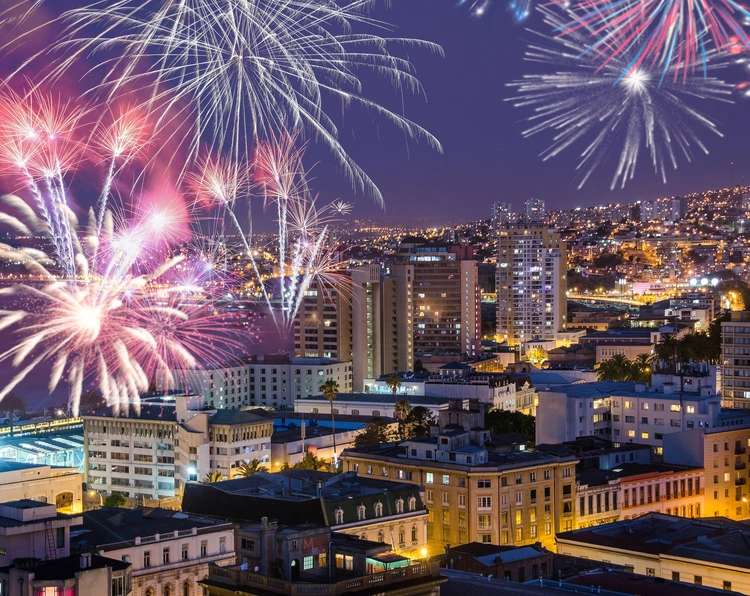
(584, 104)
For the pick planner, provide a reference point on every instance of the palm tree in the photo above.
(401, 410)
(250, 469)
(13, 404)
(537, 356)
(666, 349)
(330, 390)
(213, 477)
(642, 368)
(616, 368)
(394, 382)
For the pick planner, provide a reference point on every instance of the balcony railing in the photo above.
(740, 481)
(237, 578)
(740, 465)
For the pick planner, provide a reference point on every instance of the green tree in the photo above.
(394, 382)
(641, 368)
(401, 410)
(375, 433)
(616, 368)
(330, 390)
(666, 349)
(419, 367)
(251, 468)
(418, 422)
(310, 462)
(213, 477)
(13, 404)
(504, 421)
(115, 500)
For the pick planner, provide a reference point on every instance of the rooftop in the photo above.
(232, 417)
(605, 389)
(379, 398)
(625, 470)
(657, 533)
(111, 525)
(68, 567)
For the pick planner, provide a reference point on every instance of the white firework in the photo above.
(602, 111)
(247, 69)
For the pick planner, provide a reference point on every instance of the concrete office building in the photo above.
(531, 283)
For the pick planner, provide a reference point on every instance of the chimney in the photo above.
(85, 560)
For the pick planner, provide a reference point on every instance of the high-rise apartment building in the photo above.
(322, 327)
(502, 214)
(446, 305)
(382, 334)
(535, 211)
(530, 283)
(735, 350)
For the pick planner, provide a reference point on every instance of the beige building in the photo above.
(61, 487)
(472, 494)
(723, 452)
(531, 283)
(382, 333)
(322, 327)
(630, 351)
(704, 552)
(169, 552)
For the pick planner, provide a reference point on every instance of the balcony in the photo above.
(740, 465)
(740, 450)
(740, 481)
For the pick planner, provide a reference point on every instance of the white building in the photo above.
(535, 210)
(530, 283)
(273, 381)
(29, 529)
(169, 551)
(367, 404)
(624, 412)
(150, 454)
(58, 486)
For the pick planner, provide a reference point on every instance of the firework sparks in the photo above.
(674, 35)
(602, 111)
(248, 69)
(108, 309)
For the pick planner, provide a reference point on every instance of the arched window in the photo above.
(361, 513)
(381, 537)
(401, 536)
(414, 533)
(149, 592)
(399, 505)
(186, 588)
(412, 503)
(378, 509)
(339, 514)
(168, 590)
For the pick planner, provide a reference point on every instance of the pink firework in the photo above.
(674, 35)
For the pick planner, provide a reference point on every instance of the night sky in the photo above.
(485, 157)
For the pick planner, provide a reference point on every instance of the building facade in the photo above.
(473, 495)
(322, 327)
(273, 381)
(530, 283)
(58, 486)
(735, 350)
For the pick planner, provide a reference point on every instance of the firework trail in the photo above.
(582, 103)
(246, 68)
(673, 35)
(105, 305)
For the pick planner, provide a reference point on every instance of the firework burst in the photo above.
(597, 109)
(247, 69)
(105, 305)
